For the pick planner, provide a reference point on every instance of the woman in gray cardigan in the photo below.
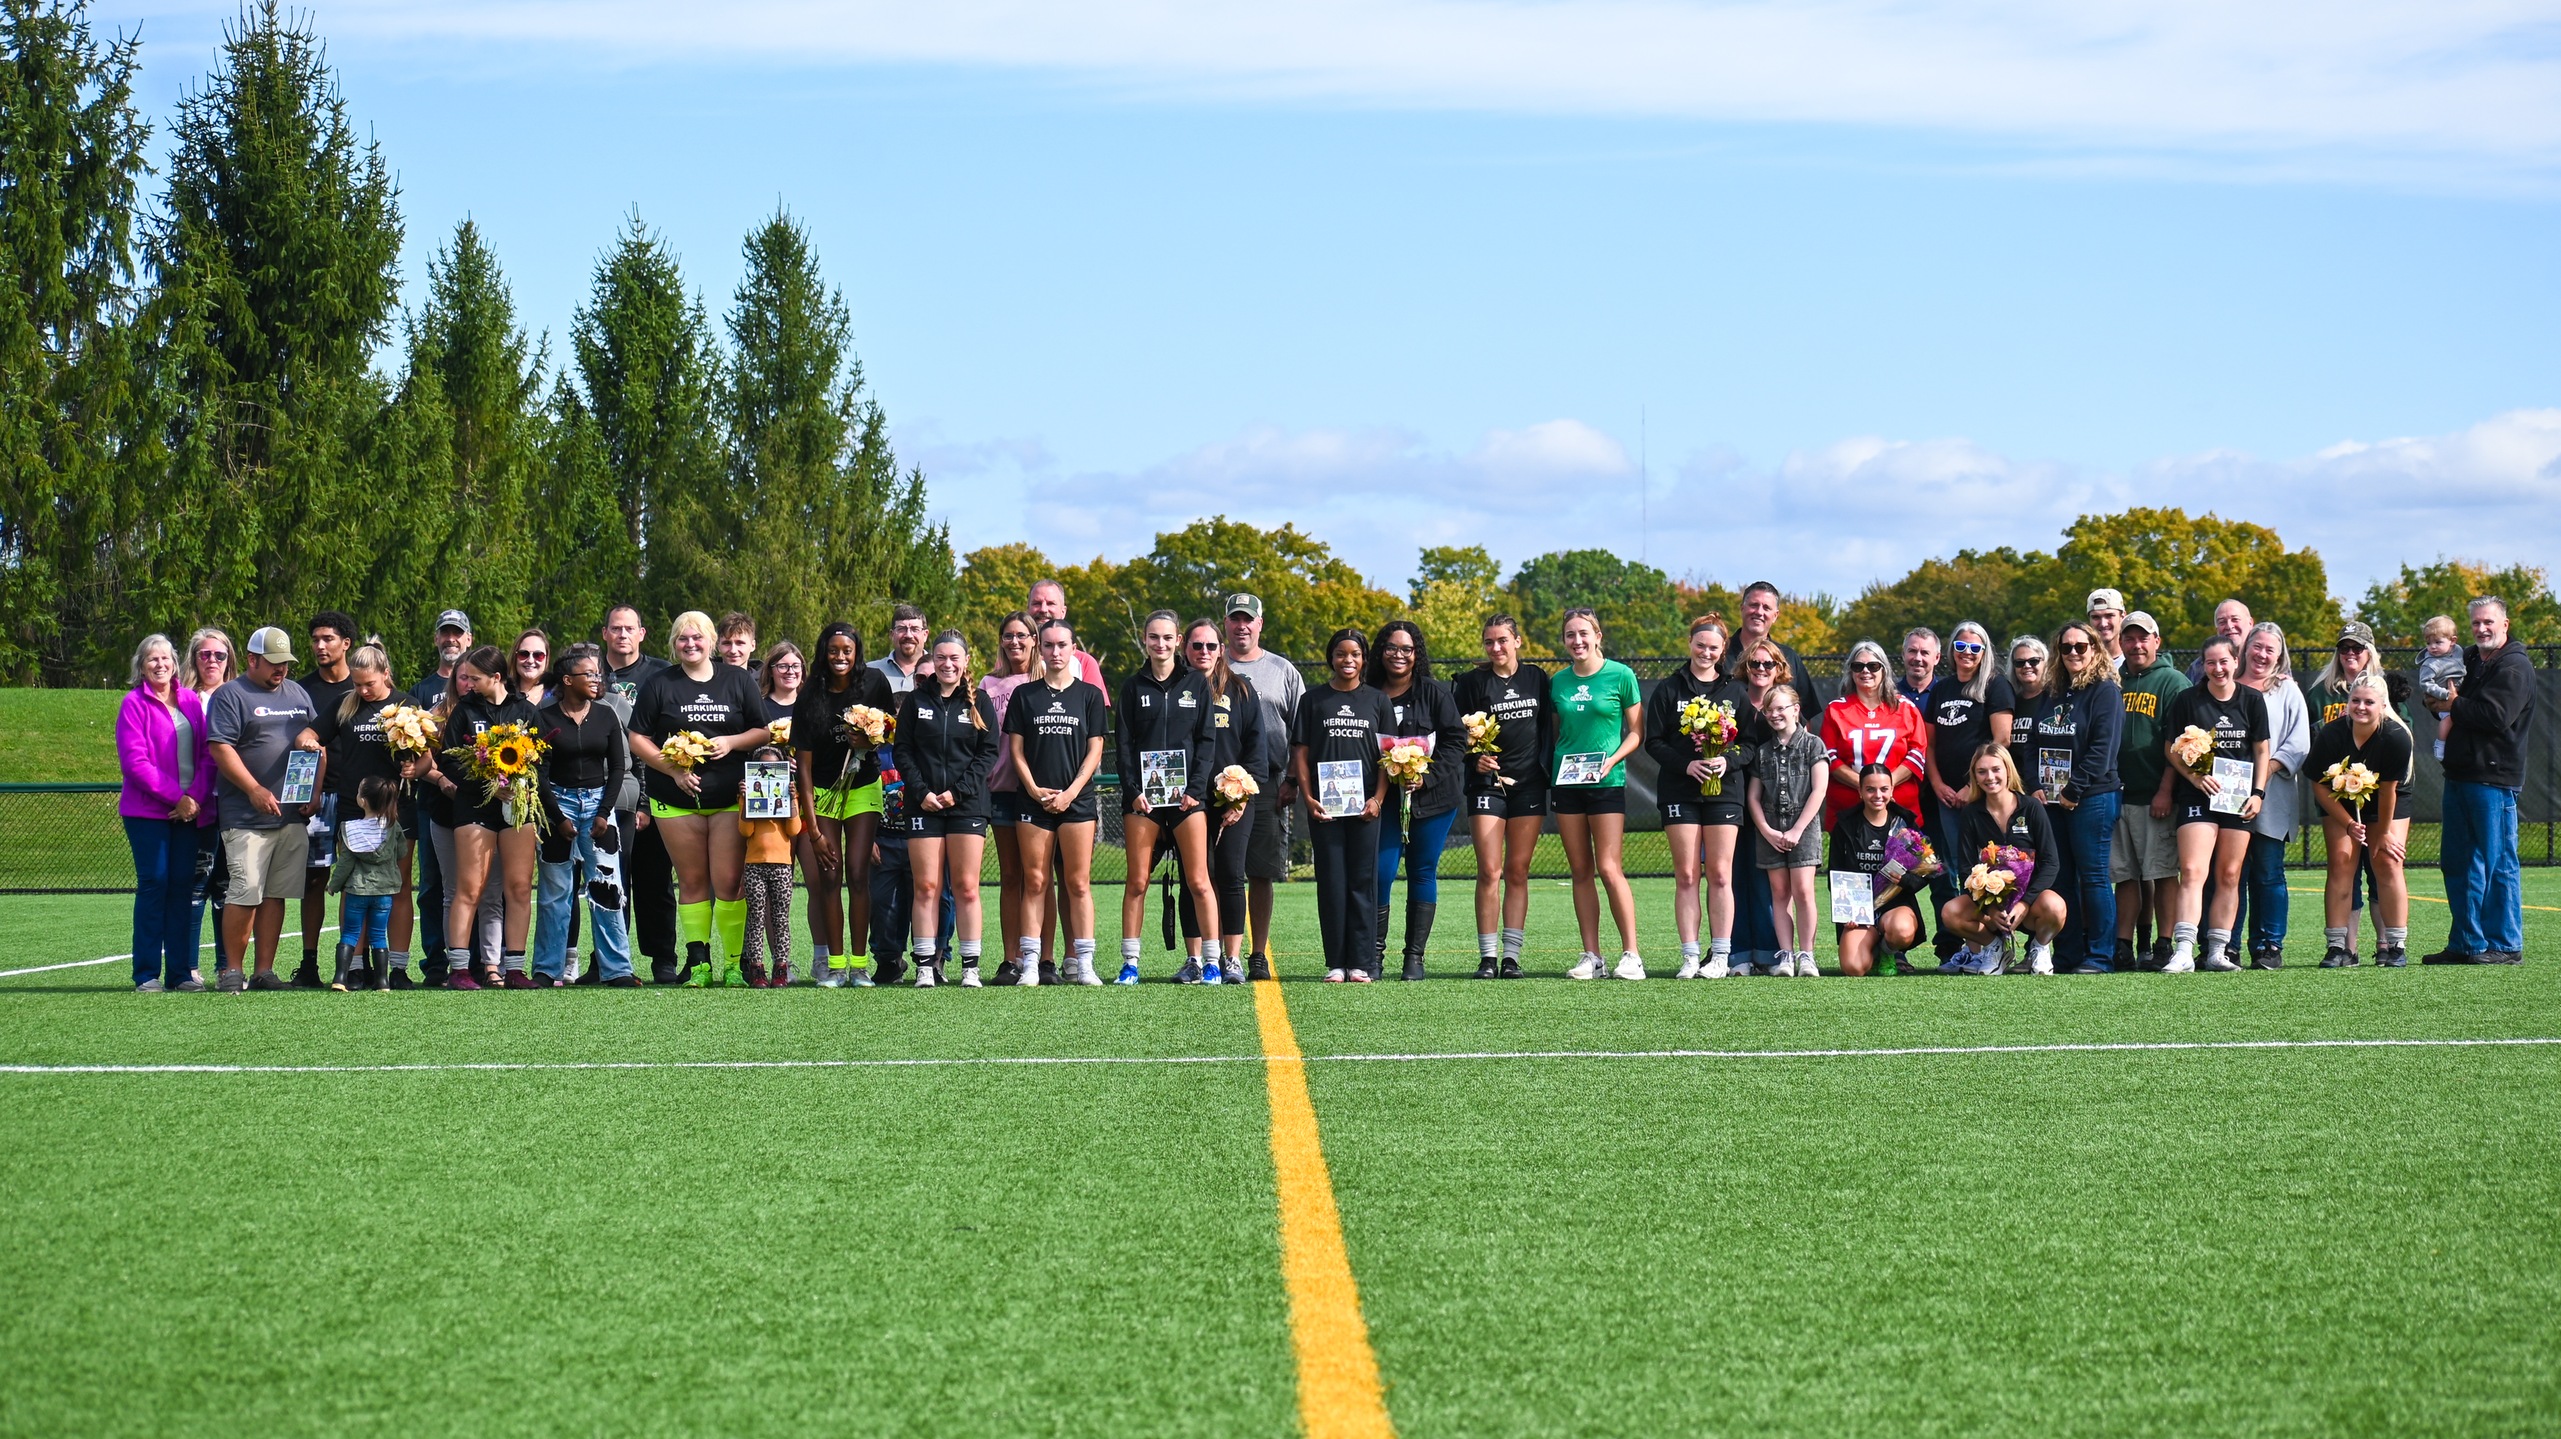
(2267, 665)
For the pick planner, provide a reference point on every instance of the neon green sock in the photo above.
(693, 922)
(729, 916)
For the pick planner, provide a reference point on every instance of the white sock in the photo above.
(1513, 940)
(1720, 948)
(2341, 939)
(969, 951)
(1027, 951)
(2217, 941)
(923, 948)
(1129, 951)
(2183, 934)
(1489, 945)
(1084, 956)
(2392, 939)
(1689, 951)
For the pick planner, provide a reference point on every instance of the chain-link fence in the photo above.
(66, 838)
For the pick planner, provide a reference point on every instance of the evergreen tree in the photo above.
(583, 558)
(649, 371)
(71, 149)
(276, 264)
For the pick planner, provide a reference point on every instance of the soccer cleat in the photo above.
(2040, 957)
(1188, 974)
(1213, 973)
(1333, 976)
(1629, 967)
(1511, 967)
(2182, 960)
(1588, 967)
(2339, 957)
(1690, 966)
(1717, 967)
(2388, 959)
(859, 979)
(1486, 967)
(753, 972)
(1128, 972)
(969, 977)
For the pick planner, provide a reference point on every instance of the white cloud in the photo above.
(1833, 518)
(2409, 79)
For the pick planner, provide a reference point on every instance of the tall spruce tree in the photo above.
(649, 368)
(276, 263)
(816, 522)
(71, 152)
(584, 558)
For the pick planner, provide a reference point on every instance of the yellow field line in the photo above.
(2432, 899)
(1338, 1391)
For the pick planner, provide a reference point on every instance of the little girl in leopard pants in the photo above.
(768, 891)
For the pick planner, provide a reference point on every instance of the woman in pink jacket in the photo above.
(167, 807)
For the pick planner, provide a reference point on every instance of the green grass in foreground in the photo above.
(2279, 1241)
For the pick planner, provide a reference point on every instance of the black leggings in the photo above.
(1226, 876)
(1347, 890)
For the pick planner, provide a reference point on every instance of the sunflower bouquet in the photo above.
(781, 731)
(2193, 750)
(2352, 782)
(1405, 761)
(2001, 877)
(1233, 786)
(686, 749)
(503, 758)
(1711, 726)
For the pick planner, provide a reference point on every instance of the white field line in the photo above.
(128, 954)
(1908, 1051)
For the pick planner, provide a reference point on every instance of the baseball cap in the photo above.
(454, 620)
(1241, 603)
(2140, 620)
(2107, 599)
(272, 645)
(2356, 632)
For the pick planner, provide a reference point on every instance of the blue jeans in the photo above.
(1755, 927)
(893, 897)
(2264, 894)
(164, 898)
(2482, 885)
(1422, 858)
(364, 920)
(2087, 835)
(557, 896)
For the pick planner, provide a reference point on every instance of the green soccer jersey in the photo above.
(1591, 716)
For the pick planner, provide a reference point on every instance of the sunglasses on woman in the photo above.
(1202, 647)
(1866, 667)
(533, 654)
(2074, 649)
(1966, 647)
(1761, 665)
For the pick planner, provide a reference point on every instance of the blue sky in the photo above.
(1852, 283)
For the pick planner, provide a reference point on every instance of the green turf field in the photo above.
(2270, 1240)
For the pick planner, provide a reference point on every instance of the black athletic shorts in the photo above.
(934, 826)
(1714, 809)
(1009, 806)
(2194, 812)
(1083, 811)
(1515, 801)
(1267, 849)
(1588, 799)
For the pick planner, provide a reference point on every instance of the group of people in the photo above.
(2047, 807)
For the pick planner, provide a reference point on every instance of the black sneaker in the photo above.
(306, 975)
(664, 971)
(2502, 956)
(1048, 971)
(594, 973)
(2392, 959)
(1511, 967)
(2449, 956)
(1487, 967)
(1258, 968)
(1413, 966)
(2339, 957)
(2269, 957)
(400, 979)
(266, 979)
(1008, 972)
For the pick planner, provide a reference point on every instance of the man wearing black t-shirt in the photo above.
(333, 634)
(650, 874)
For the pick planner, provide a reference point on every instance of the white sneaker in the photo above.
(925, 974)
(1717, 967)
(969, 977)
(830, 979)
(1030, 977)
(2220, 963)
(2040, 957)
(1806, 968)
(1629, 967)
(1085, 974)
(1334, 976)
(1689, 967)
(2182, 960)
(1589, 967)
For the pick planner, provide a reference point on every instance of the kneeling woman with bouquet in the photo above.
(2009, 887)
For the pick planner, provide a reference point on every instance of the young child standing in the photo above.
(768, 886)
(1789, 779)
(367, 872)
(2440, 667)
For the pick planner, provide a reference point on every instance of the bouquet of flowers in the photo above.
(1406, 762)
(2353, 783)
(686, 749)
(863, 727)
(1907, 856)
(410, 731)
(781, 730)
(1484, 736)
(503, 758)
(2001, 877)
(2193, 751)
(1712, 727)
(1233, 786)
